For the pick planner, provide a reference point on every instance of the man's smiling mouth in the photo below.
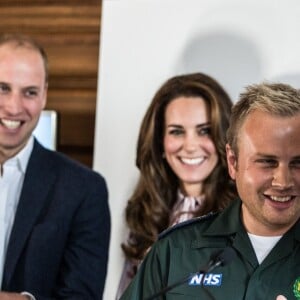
(280, 198)
(10, 124)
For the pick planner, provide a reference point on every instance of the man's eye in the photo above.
(296, 163)
(31, 93)
(4, 88)
(267, 162)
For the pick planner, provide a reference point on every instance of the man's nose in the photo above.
(282, 177)
(13, 104)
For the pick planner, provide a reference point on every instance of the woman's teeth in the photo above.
(192, 161)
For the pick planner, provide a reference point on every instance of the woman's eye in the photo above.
(175, 132)
(204, 131)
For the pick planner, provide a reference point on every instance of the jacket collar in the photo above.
(39, 178)
(227, 230)
(228, 222)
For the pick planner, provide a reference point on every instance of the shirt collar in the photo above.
(181, 197)
(22, 157)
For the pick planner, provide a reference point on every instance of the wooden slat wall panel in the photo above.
(69, 31)
(25, 3)
(79, 19)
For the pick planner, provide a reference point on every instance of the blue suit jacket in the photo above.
(58, 247)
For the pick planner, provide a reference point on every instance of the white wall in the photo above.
(143, 42)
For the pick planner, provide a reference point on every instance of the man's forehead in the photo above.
(20, 70)
(267, 132)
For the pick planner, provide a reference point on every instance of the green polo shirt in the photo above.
(188, 247)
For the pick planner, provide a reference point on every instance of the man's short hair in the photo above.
(273, 98)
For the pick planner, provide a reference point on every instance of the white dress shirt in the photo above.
(11, 182)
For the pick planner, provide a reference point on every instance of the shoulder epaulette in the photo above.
(186, 223)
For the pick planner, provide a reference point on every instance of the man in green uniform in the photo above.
(263, 155)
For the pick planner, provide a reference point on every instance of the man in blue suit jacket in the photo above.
(54, 215)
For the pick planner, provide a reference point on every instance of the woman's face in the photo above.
(188, 146)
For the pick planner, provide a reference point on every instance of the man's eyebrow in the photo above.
(31, 87)
(270, 156)
(266, 155)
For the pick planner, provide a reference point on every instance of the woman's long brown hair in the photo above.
(148, 209)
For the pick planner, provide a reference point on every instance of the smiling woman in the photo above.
(181, 158)
(188, 146)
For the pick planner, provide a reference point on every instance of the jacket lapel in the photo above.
(37, 182)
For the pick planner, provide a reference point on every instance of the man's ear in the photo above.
(45, 92)
(231, 161)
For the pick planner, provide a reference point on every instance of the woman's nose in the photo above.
(191, 142)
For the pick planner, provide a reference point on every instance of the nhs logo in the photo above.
(209, 279)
